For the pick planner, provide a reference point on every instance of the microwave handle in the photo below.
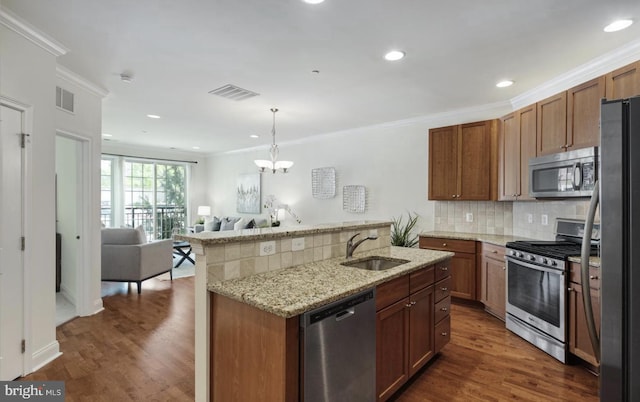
(577, 176)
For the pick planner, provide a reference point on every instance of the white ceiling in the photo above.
(177, 51)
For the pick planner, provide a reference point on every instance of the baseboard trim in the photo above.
(45, 355)
(68, 295)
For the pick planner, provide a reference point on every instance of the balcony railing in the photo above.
(168, 220)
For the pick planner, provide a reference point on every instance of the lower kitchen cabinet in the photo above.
(462, 264)
(493, 280)
(406, 326)
(579, 340)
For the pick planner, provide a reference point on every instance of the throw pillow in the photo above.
(251, 224)
(228, 223)
(142, 236)
(213, 225)
(240, 224)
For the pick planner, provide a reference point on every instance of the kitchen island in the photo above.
(248, 303)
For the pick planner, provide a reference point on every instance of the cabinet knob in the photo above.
(570, 289)
(408, 305)
(593, 277)
(453, 196)
(504, 268)
(444, 309)
(444, 244)
(444, 333)
(444, 268)
(413, 303)
(444, 289)
(494, 251)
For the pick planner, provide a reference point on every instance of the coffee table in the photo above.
(183, 250)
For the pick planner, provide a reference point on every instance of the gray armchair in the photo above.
(127, 257)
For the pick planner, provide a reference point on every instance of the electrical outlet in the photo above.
(297, 244)
(544, 219)
(373, 232)
(469, 217)
(267, 248)
(530, 218)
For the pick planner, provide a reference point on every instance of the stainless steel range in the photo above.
(537, 286)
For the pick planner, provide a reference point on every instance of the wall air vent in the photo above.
(64, 99)
(233, 92)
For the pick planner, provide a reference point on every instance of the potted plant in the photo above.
(401, 232)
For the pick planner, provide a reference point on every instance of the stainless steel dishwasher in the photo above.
(339, 350)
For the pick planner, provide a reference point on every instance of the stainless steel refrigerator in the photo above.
(620, 250)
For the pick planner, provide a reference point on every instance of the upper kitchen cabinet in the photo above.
(517, 145)
(552, 124)
(623, 82)
(583, 114)
(463, 162)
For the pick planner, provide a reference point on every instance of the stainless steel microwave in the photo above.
(565, 174)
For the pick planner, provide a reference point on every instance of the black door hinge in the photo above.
(24, 345)
(22, 243)
(23, 139)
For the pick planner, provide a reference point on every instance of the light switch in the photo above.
(297, 244)
(469, 217)
(267, 248)
(544, 219)
(530, 218)
(373, 232)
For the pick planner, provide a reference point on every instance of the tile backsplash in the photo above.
(487, 217)
(531, 219)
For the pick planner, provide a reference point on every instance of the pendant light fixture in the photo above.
(274, 164)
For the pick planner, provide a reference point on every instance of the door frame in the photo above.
(27, 128)
(84, 303)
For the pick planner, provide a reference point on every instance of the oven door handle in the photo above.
(533, 266)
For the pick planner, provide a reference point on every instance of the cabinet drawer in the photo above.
(442, 309)
(421, 278)
(575, 275)
(493, 251)
(454, 245)
(442, 333)
(392, 291)
(443, 269)
(442, 289)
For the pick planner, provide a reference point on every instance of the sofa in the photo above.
(229, 223)
(128, 257)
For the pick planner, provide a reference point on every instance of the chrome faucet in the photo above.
(351, 246)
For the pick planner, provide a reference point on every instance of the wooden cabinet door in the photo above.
(579, 341)
(527, 125)
(443, 163)
(463, 276)
(493, 293)
(509, 155)
(623, 82)
(421, 322)
(552, 124)
(583, 113)
(474, 160)
(392, 348)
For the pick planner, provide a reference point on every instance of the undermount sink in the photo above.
(375, 263)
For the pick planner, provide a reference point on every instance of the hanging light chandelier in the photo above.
(274, 164)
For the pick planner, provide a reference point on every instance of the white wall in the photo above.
(391, 162)
(28, 74)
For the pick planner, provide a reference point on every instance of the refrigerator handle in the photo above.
(584, 270)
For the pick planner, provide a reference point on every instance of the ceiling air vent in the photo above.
(64, 99)
(233, 92)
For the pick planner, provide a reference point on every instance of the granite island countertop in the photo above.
(594, 261)
(296, 290)
(498, 240)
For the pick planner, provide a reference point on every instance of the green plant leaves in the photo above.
(401, 233)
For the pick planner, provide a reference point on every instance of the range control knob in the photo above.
(545, 261)
(514, 253)
(520, 255)
(554, 263)
(531, 257)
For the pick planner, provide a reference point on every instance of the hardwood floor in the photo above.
(486, 362)
(142, 348)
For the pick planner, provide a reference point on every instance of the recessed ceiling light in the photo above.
(504, 84)
(106, 135)
(394, 55)
(195, 147)
(313, 1)
(618, 25)
(153, 116)
(254, 136)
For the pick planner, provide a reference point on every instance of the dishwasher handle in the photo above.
(344, 314)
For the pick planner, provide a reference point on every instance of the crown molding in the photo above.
(601, 65)
(68, 75)
(29, 32)
(457, 116)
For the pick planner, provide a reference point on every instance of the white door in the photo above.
(11, 255)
